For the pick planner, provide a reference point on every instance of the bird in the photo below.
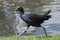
(34, 20)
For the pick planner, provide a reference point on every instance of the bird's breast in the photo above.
(26, 19)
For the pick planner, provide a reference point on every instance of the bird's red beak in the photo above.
(17, 8)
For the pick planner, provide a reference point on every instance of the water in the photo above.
(52, 25)
(9, 19)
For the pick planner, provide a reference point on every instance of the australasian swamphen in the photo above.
(33, 19)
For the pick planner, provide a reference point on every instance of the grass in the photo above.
(31, 38)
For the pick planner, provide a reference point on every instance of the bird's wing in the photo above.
(35, 17)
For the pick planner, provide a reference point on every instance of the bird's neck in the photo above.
(21, 13)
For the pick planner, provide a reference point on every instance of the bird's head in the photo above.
(18, 8)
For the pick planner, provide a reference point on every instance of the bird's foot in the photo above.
(19, 35)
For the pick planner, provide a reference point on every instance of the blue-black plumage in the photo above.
(33, 19)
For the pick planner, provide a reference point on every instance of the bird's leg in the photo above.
(23, 32)
(45, 31)
(16, 31)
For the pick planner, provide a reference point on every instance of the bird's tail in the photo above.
(47, 12)
(47, 17)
